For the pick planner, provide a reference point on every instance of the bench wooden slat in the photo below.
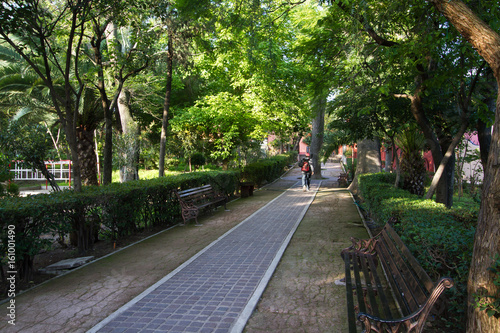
(359, 289)
(194, 199)
(351, 316)
(195, 189)
(421, 273)
(407, 280)
(384, 299)
(388, 257)
(370, 289)
(407, 270)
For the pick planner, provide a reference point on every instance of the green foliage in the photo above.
(5, 176)
(198, 159)
(412, 142)
(267, 170)
(220, 123)
(441, 239)
(28, 143)
(9, 189)
(350, 167)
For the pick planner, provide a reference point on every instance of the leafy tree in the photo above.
(249, 55)
(223, 122)
(25, 96)
(30, 144)
(31, 29)
(405, 56)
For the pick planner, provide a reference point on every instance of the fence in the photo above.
(60, 169)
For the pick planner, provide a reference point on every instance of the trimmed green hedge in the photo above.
(267, 170)
(441, 239)
(118, 209)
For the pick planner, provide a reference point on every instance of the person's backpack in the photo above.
(305, 166)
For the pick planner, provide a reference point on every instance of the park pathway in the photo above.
(217, 289)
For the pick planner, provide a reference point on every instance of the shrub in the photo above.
(121, 208)
(198, 159)
(267, 170)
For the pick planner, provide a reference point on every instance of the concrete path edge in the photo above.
(240, 323)
(254, 300)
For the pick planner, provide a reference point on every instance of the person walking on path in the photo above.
(307, 171)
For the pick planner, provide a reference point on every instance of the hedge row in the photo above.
(441, 239)
(267, 170)
(116, 209)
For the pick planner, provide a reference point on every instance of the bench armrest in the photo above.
(362, 245)
(414, 322)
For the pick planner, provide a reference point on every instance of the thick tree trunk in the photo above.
(484, 131)
(87, 155)
(487, 239)
(368, 161)
(73, 146)
(318, 131)
(131, 130)
(443, 180)
(388, 160)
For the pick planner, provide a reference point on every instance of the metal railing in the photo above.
(60, 169)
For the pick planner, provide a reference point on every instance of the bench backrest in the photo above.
(197, 194)
(410, 283)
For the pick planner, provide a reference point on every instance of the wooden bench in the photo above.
(343, 180)
(382, 269)
(195, 199)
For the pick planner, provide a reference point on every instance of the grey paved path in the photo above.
(217, 290)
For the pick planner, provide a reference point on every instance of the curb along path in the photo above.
(217, 289)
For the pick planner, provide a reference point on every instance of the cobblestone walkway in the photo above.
(217, 289)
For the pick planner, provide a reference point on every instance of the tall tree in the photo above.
(182, 22)
(487, 239)
(167, 102)
(425, 60)
(318, 132)
(31, 29)
(119, 61)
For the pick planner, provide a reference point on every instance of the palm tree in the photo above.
(24, 97)
(413, 169)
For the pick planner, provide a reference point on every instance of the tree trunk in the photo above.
(388, 159)
(396, 160)
(86, 155)
(442, 185)
(483, 131)
(131, 132)
(73, 145)
(318, 131)
(106, 106)
(40, 165)
(487, 239)
(166, 105)
(369, 161)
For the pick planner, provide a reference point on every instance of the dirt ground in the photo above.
(301, 297)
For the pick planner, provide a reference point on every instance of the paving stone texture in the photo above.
(145, 288)
(213, 292)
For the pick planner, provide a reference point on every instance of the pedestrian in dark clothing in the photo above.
(307, 171)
